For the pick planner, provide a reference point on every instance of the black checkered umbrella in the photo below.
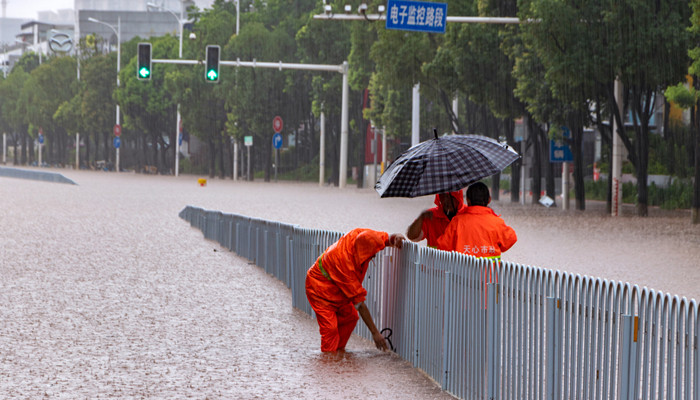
(443, 165)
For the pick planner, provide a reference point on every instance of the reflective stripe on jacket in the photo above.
(345, 265)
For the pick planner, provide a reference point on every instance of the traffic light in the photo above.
(211, 74)
(143, 72)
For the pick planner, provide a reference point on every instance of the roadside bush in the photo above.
(678, 195)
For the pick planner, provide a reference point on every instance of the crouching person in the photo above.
(334, 286)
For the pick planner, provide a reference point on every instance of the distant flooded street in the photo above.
(106, 293)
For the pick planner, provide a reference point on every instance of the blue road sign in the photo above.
(117, 142)
(277, 140)
(41, 138)
(559, 151)
(179, 139)
(418, 16)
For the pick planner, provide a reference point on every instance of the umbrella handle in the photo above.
(435, 132)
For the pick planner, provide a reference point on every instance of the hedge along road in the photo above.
(105, 292)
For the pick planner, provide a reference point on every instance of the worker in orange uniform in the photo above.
(432, 222)
(478, 230)
(334, 286)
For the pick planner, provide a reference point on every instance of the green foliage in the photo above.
(678, 195)
(682, 95)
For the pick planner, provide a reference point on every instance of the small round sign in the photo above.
(41, 139)
(117, 130)
(277, 124)
(277, 141)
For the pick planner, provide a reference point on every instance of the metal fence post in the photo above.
(553, 347)
(447, 329)
(290, 269)
(628, 369)
(238, 239)
(416, 306)
(491, 343)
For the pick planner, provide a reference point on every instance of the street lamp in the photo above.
(117, 31)
(181, 22)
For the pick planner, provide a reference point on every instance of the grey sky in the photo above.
(29, 8)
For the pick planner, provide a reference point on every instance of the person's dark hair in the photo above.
(478, 194)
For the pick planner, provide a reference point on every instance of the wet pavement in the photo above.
(106, 293)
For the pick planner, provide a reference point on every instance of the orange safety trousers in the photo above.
(335, 321)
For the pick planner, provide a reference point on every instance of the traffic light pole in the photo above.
(342, 68)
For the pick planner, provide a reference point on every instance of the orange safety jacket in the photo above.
(479, 232)
(433, 228)
(337, 274)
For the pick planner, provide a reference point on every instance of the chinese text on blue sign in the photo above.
(420, 16)
(559, 150)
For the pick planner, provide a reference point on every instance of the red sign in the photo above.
(117, 130)
(277, 124)
(41, 131)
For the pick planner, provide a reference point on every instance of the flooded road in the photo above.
(105, 292)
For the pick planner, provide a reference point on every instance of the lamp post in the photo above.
(117, 31)
(181, 22)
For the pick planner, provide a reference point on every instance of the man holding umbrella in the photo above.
(431, 223)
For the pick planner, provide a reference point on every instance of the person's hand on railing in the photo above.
(395, 240)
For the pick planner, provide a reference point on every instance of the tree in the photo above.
(689, 98)
(585, 49)
(97, 106)
(148, 106)
(51, 84)
(12, 112)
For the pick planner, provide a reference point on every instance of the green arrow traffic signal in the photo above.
(213, 56)
(143, 70)
(144, 73)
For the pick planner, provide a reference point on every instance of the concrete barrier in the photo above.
(35, 175)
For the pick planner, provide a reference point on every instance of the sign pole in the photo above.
(322, 151)
(178, 131)
(565, 186)
(77, 151)
(277, 125)
(235, 159)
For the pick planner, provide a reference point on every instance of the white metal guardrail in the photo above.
(504, 331)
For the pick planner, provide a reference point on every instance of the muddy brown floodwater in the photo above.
(106, 293)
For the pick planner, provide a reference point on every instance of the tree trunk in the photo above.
(212, 157)
(695, 210)
(25, 142)
(220, 150)
(509, 125)
(669, 138)
(534, 139)
(489, 120)
(16, 153)
(643, 172)
(579, 188)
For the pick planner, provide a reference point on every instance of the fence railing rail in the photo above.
(496, 331)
